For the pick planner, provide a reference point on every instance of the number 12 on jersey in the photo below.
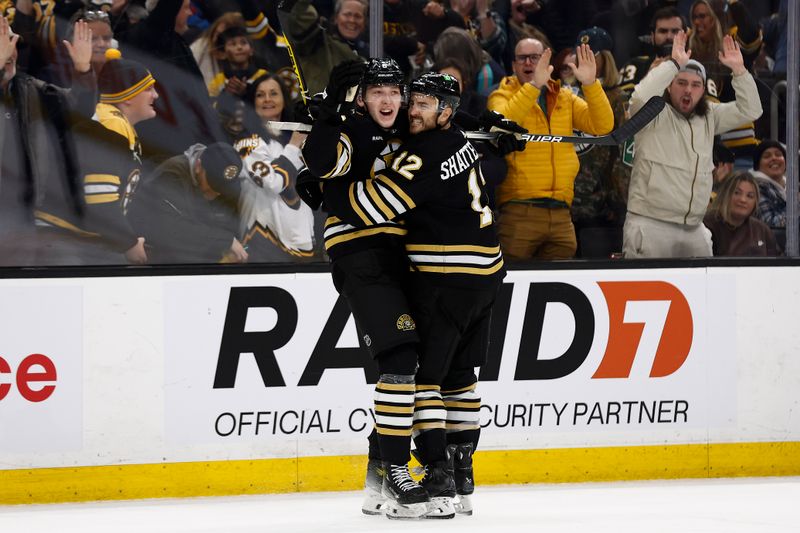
(476, 191)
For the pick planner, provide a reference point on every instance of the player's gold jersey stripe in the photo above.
(356, 207)
(455, 248)
(394, 409)
(408, 387)
(393, 432)
(462, 389)
(363, 233)
(101, 178)
(429, 425)
(472, 405)
(397, 190)
(341, 167)
(460, 270)
(102, 198)
(378, 201)
(460, 427)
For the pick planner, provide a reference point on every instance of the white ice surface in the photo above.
(766, 505)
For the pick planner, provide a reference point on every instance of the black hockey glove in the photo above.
(309, 189)
(494, 121)
(343, 77)
(507, 143)
(302, 112)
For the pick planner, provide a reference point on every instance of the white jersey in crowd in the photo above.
(271, 214)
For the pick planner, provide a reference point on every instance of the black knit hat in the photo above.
(762, 147)
(122, 79)
(222, 165)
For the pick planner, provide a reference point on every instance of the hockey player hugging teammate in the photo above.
(435, 187)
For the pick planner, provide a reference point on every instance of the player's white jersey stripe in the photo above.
(399, 399)
(461, 416)
(97, 189)
(345, 149)
(454, 259)
(393, 421)
(396, 204)
(430, 414)
(366, 204)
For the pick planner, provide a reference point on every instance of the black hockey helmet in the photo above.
(443, 87)
(382, 71)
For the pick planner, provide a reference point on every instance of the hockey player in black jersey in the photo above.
(369, 268)
(435, 187)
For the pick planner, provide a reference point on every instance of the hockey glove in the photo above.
(309, 189)
(304, 111)
(494, 121)
(344, 77)
(507, 143)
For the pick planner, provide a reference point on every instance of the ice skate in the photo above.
(440, 486)
(464, 480)
(374, 500)
(405, 498)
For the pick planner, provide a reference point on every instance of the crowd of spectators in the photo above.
(138, 131)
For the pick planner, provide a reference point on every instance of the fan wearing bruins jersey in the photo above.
(273, 223)
(110, 164)
(435, 186)
(369, 268)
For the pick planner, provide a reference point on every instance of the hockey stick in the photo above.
(282, 11)
(633, 125)
(639, 120)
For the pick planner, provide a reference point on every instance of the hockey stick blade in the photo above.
(288, 126)
(642, 118)
(639, 120)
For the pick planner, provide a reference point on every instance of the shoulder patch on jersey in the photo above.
(406, 323)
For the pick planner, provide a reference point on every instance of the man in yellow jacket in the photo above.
(535, 198)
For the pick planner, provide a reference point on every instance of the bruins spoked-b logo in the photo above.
(406, 323)
(231, 172)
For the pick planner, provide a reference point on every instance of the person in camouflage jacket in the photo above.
(601, 186)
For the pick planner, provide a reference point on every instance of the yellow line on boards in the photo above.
(337, 473)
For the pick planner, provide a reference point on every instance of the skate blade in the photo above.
(374, 503)
(441, 508)
(463, 505)
(373, 510)
(413, 511)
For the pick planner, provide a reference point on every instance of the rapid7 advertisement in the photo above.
(271, 358)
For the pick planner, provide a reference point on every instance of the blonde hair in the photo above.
(706, 51)
(610, 74)
(721, 207)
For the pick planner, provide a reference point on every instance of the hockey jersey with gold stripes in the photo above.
(341, 155)
(435, 187)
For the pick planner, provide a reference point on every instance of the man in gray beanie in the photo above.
(672, 168)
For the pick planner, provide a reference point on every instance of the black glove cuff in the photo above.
(328, 113)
